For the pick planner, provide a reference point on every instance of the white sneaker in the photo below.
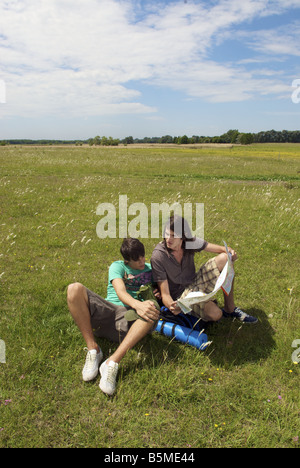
(91, 367)
(108, 374)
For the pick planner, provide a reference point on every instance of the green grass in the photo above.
(243, 391)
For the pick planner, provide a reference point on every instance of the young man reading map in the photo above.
(173, 269)
(105, 318)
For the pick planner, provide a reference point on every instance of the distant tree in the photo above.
(166, 139)
(109, 141)
(113, 141)
(128, 140)
(97, 140)
(245, 138)
(184, 140)
(215, 139)
(229, 137)
(104, 141)
(233, 135)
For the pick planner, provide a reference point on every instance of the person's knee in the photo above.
(74, 291)
(221, 261)
(212, 312)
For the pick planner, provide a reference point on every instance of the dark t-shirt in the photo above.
(165, 267)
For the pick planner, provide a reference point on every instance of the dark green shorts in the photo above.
(107, 319)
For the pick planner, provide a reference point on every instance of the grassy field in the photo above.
(243, 391)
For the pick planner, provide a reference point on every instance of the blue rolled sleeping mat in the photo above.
(184, 328)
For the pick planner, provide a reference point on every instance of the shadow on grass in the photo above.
(236, 343)
(233, 343)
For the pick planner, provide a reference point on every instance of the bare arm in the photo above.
(166, 297)
(214, 248)
(146, 309)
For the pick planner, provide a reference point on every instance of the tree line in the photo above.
(232, 136)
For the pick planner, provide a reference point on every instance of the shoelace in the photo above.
(90, 359)
(111, 374)
(242, 315)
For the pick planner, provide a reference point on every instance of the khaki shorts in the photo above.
(107, 319)
(204, 281)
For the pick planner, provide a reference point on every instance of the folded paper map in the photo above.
(224, 282)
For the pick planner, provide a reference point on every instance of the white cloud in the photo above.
(82, 57)
(278, 41)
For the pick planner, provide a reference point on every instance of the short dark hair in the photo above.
(132, 249)
(181, 229)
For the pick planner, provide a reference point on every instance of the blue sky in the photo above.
(74, 69)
